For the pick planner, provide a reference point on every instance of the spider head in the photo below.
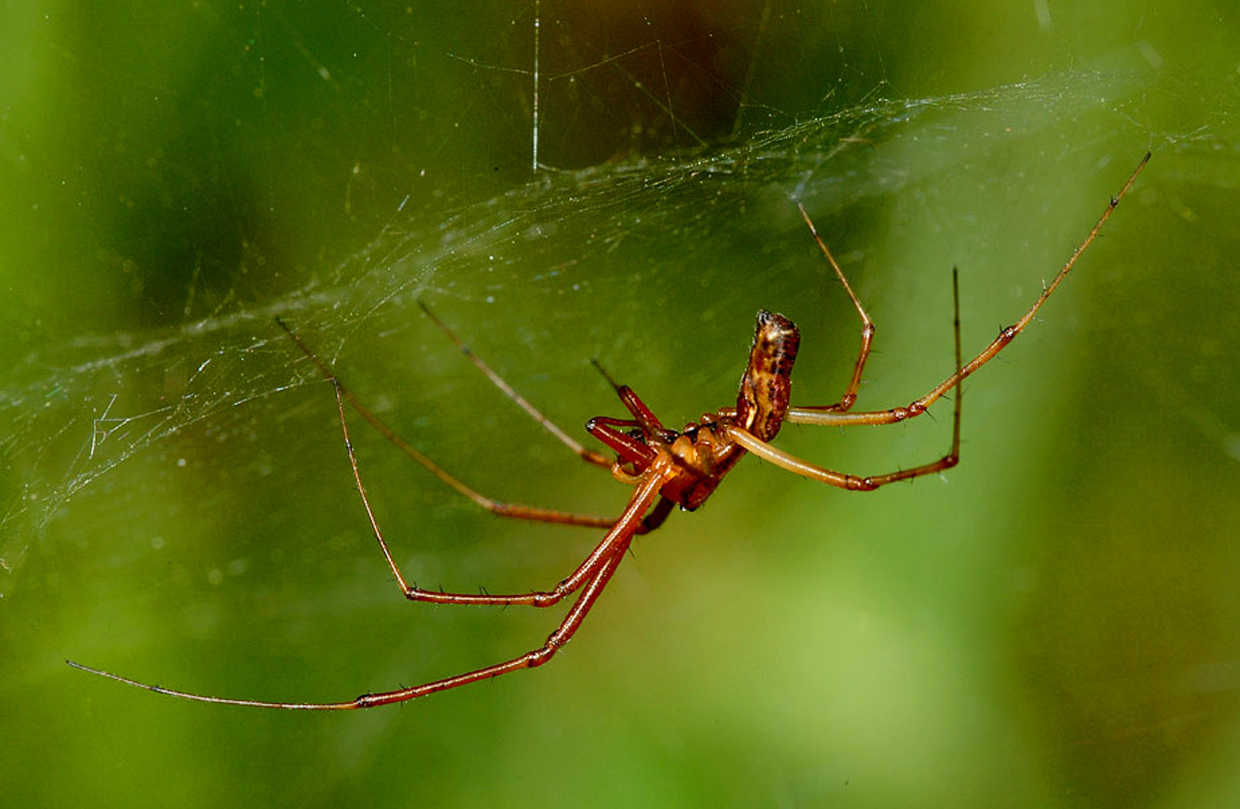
(766, 387)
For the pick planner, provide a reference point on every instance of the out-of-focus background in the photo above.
(1053, 623)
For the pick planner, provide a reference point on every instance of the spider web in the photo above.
(703, 234)
(583, 254)
(686, 206)
(175, 501)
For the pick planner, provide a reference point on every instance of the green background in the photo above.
(1054, 622)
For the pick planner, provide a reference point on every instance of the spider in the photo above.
(665, 467)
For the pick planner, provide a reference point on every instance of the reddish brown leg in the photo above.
(607, 558)
(498, 507)
(567, 628)
(529, 660)
(622, 530)
(643, 417)
(867, 328)
(547, 424)
(809, 415)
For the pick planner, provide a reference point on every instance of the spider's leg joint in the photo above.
(539, 656)
(367, 701)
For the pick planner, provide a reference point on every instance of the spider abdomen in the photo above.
(766, 387)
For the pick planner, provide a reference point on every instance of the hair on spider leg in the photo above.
(666, 468)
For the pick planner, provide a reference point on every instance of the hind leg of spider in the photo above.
(867, 328)
(555, 641)
(497, 507)
(563, 633)
(868, 482)
(591, 588)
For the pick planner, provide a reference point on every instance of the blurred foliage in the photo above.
(1053, 625)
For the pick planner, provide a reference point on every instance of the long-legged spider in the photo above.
(666, 467)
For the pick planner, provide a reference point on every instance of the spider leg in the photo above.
(621, 530)
(857, 483)
(532, 659)
(588, 455)
(608, 561)
(656, 517)
(867, 328)
(642, 415)
(498, 507)
(801, 415)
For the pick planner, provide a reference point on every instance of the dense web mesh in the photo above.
(626, 235)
